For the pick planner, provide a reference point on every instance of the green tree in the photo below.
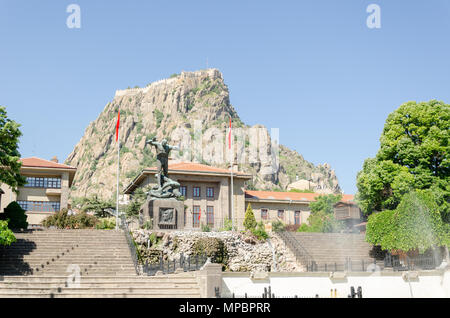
(16, 216)
(249, 218)
(414, 154)
(6, 235)
(9, 155)
(322, 218)
(138, 199)
(415, 224)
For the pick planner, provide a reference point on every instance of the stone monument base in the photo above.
(166, 214)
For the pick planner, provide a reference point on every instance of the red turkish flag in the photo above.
(200, 214)
(117, 126)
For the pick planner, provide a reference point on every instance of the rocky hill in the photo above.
(191, 110)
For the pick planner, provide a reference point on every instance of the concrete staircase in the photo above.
(44, 263)
(330, 248)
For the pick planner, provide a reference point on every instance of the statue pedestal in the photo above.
(167, 214)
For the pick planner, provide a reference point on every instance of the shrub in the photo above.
(249, 219)
(206, 228)
(278, 226)
(16, 216)
(260, 232)
(6, 235)
(292, 227)
(62, 220)
(106, 223)
(213, 247)
(227, 225)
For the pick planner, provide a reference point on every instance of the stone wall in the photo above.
(245, 253)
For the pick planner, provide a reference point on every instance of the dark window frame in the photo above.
(196, 216)
(297, 216)
(264, 214)
(199, 192)
(210, 192)
(282, 214)
(210, 215)
(183, 191)
(43, 182)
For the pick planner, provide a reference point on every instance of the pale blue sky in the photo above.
(311, 68)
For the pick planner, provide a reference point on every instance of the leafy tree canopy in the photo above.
(413, 154)
(322, 218)
(9, 155)
(96, 205)
(6, 235)
(16, 216)
(414, 224)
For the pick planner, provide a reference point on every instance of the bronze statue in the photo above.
(166, 187)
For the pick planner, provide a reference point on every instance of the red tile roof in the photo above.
(196, 167)
(294, 196)
(42, 163)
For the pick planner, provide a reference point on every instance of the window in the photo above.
(264, 214)
(183, 191)
(196, 216)
(210, 215)
(35, 182)
(196, 192)
(297, 217)
(281, 214)
(210, 192)
(40, 206)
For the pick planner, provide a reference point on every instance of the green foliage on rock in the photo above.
(106, 223)
(414, 224)
(6, 235)
(16, 216)
(278, 226)
(9, 154)
(62, 220)
(260, 232)
(249, 218)
(414, 154)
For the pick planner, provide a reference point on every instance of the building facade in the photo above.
(46, 190)
(207, 196)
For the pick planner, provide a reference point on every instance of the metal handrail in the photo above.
(299, 251)
(131, 245)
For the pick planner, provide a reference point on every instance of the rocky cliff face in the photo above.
(191, 110)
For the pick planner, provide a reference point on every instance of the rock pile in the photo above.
(244, 252)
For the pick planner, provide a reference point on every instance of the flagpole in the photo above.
(118, 172)
(231, 168)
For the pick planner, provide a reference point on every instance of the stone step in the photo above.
(191, 294)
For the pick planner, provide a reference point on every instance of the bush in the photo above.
(106, 223)
(278, 226)
(6, 235)
(227, 225)
(260, 232)
(206, 228)
(249, 219)
(213, 247)
(292, 227)
(16, 216)
(62, 220)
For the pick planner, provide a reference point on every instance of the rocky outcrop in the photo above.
(244, 253)
(192, 110)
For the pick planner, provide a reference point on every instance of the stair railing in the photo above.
(131, 244)
(301, 254)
